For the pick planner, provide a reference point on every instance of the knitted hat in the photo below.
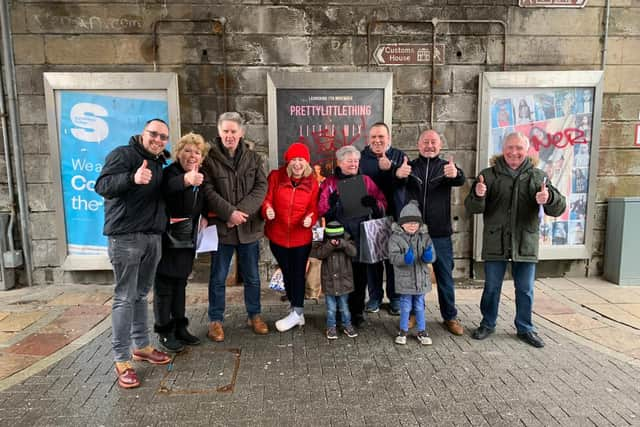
(410, 213)
(334, 229)
(297, 149)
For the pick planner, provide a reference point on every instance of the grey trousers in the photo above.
(134, 258)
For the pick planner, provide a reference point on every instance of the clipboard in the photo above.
(351, 191)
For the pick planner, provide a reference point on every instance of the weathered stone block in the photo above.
(35, 139)
(616, 186)
(41, 197)
(28, 49)
(411, 108)
(545, 22)
(600, 216)
(405, 136)
(624, 22)
(5, 203)
(620, 107)
(462, 244)
(617, 134)
(203, 78)
(250, 80)
(42, 226)
(413, 80)
(89, 18)
(260, 135)
(29, 80)
(86, 49)
(335, 20)
(331, 50)
(3, 170)
(465, 78)
(622, 78)
(466, 136)
(32, 109)
(456, 108)
(623, 51)
(45, 253)
(37, 168)
(554, 50)
(262, 19)
(285, 51)
(619, 162)
(460, 221)
(458, 194)
(253, 108)
(133, 50)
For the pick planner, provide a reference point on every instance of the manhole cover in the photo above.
(202, 370)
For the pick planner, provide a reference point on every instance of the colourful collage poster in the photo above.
(558, 123)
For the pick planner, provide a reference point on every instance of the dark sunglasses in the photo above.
(161, 136)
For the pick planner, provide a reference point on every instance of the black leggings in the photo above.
(169, 299)
(293, 263)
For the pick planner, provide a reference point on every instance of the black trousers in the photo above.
(356, 298)
(293, 263)
(169, 299)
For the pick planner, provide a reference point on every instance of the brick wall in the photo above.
(326, 36)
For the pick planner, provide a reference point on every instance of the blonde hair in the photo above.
(307, 169)
(190, 139)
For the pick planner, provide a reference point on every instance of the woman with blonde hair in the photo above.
(290, 209)
(180, 186)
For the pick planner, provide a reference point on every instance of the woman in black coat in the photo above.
(181, 188)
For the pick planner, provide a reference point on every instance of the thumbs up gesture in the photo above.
(143, 175)
(384, 163)
(450, 170)
(542, 196)
(193, 177)
(404, 170)
(481, 187)
(307, 221)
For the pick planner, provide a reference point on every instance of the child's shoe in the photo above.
(401, 338)
(424, 338)
(332, 333)
(350, 332)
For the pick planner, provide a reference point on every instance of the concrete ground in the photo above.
(57, 365)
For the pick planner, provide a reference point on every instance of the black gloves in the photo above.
(333, 199)
(369, 201)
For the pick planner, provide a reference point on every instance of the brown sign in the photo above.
(408, 54)
(552, 3)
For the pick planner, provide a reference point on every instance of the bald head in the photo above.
(429, 144)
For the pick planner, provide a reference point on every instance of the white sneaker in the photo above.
(288, 322)
(401, 338)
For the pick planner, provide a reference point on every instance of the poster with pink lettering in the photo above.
(558, 122)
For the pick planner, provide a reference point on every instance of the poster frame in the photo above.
(517, 81)
(328, 81)
(136, 84)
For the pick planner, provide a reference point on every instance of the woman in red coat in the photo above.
(290, 209)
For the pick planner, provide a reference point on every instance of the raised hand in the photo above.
(193, 177)
(409, 257)
(307, 221)
(450, 170)
(542, 196)
(271, 214)
(143, 175)
(384, 163)
(404, 170)
(481, 187)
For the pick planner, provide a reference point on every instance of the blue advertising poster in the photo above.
(91, 126)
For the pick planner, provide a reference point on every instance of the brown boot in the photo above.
(258, 325)
(454, 326)
(412, 321)
(216, 333)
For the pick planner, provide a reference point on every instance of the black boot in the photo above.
(183, 334)
(167, 338)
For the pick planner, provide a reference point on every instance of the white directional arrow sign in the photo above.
(408, 54)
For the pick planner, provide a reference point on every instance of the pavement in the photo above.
(57, 366)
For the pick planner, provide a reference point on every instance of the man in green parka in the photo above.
(511, 195)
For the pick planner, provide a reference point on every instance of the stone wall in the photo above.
(262, 36)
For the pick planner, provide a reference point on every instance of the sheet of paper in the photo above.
(207, 240)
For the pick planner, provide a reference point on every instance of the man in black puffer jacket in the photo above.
(135, 219)
(430, 183)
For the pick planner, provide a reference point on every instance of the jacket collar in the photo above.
(285, 179)
(136, 142)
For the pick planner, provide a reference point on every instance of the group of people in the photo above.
(153, 213)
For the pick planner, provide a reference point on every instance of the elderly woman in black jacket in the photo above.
(180, 186)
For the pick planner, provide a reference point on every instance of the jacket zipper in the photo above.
(293, 194)
(426, 189)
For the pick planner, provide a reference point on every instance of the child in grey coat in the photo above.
(410, 252)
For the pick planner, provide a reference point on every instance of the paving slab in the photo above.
(544, 305)
(582, 296)
(614, 338)
(574, 322)
(20, 320)
(633, 309)
(90, 297)
(613, 311)
(559, 283)
(12, 363)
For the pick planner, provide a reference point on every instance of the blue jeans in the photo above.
(412, 304)
(248, 255)
(335, 303)
(374, 282)
(134, 258)
(443, 269)
(523, 275)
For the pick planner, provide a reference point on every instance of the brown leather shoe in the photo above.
(412, 321)
(151, 355)
(454, 326)
(216, 333)
(258, 325)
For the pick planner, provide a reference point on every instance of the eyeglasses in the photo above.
(160, 136)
